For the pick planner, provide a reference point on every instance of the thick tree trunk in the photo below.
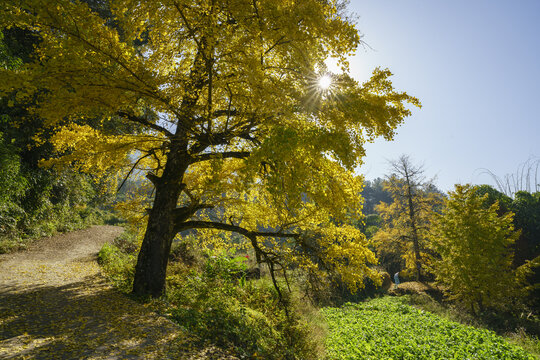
(151, 268)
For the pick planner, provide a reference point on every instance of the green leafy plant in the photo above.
(118, 266)
(215, 302)
(220, 306)
(388, 328)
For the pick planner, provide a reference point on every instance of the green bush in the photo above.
(127, 243)
(13, 184)
(220, 306)
(332, 291)
(118, 266)
(37, 202)
(215, 302)
(185, 250)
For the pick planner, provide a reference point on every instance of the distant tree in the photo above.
(526, 207)
(473, 243)
(404, 230)
(373, 194)
(494, 195)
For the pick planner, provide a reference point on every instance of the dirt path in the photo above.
(54, 304)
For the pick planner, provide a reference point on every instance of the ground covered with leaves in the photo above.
(389, 328)
(54, 304)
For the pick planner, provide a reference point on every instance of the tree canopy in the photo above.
(374, 193)
(404, 232)
(474, 246)
(219, 105)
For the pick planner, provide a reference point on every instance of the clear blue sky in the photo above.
(475, 66)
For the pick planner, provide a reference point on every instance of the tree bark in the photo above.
(412, 216)
(151, 268)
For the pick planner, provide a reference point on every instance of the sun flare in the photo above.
(325, 82)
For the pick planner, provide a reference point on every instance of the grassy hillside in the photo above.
(388, 328)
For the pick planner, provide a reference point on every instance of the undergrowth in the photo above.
(118, 260)
(214, 298)
(59, 218)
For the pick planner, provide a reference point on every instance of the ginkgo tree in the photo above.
(225, 115)
(474, 255)
(404, 233)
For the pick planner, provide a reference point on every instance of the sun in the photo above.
(321, 86)
(325, 82)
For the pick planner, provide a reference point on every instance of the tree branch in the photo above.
(269, 258)
(204, 140)
(188, 26)
(222, 155)
(144, 122)
(228, 113)
(277, 43)
(132, 168)
(196, 224)
(183, 213)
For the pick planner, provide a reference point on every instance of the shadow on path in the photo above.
(54, 304)
(85, 319)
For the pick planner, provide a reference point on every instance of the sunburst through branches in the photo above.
(321, 86)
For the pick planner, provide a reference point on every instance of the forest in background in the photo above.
(35, 201)
(383, 226)
(254, 311)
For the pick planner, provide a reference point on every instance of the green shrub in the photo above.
(214, 302)
(332, 291)
(36, 202)
(9, 244)
(220, 306)
(111, 218)
(118, 266)
(185, 250)
(127, 243)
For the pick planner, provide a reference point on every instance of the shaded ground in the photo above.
(55, 304)
(415, 287)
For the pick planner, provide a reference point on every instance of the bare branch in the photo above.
(132, 168)
(188, 25)
(277, 43)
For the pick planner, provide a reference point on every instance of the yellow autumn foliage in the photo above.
(474, 247)
(218, 103)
